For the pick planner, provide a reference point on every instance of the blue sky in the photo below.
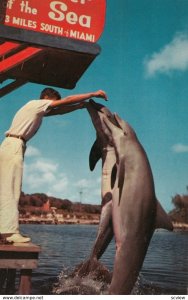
(143, 67)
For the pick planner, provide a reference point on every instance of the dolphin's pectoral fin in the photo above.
(95, 155)
(113, 176)
(121, 179)
(162, 219)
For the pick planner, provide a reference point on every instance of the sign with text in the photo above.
(78, 19)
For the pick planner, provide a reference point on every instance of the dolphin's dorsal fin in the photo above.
(95, 154)
(162, 219)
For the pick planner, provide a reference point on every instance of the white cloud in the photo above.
(36, 177)
(41, 165)
(83, 183)
(32, 151)
(89, 184)
(41, 174)
(172, 57)
(44, 175)
(180, 148)
(61, 183)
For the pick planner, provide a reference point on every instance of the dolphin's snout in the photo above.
(96, 105)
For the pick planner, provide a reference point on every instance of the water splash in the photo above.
(142, 287)
(96, 282)
(145, 287)
(72, 283)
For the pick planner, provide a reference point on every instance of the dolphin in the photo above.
(102, 149)
(136, 211)
(130, 210)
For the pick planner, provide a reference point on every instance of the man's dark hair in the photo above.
(50, 93)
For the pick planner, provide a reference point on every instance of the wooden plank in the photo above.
(10, 285)
(3, 276)
(18, 263)
(18, 255)
(25, 282)
(21, 247)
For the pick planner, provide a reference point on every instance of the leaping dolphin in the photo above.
(134, 210)
(102, 149)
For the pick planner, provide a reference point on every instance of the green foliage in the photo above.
(66, 204)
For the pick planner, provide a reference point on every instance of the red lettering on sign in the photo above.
(77, 19)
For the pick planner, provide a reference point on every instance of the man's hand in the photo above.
(101, 94)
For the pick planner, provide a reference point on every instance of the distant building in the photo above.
(46, 206)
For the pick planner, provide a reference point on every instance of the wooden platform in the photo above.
(18, 256)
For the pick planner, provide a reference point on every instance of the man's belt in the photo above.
(16, 136)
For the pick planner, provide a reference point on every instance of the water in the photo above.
(164, 272)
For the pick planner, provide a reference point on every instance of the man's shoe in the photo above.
(18, 238)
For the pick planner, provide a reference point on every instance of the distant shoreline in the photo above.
(180, 226)
(84, 220)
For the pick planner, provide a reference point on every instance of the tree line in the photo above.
(37, 200)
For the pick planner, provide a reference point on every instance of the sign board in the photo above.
(77, 19)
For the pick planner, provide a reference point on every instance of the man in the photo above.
(24, 126)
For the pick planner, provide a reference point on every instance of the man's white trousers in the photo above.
(11, 172)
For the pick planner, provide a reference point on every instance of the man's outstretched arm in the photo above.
(78, 98)
(64, 109)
